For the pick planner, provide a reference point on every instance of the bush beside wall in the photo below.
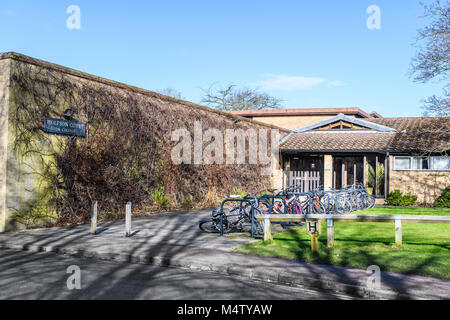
(444, 200)
(396, 198)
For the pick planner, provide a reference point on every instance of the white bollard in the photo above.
(398, 231)
(267, 229)
(128, 220)
(330, 231)
(94, 218)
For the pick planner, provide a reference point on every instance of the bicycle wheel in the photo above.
(318, 207)
(212, 225)
(370, 201)
(343, 205)
(258, 226)
(264, 207)
(359, 200)
(278, 207)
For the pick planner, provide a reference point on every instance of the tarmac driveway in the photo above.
(159, 230)
(174, 239)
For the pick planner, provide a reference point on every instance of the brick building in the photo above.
(408, 154)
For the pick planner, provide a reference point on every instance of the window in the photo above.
(419, 163)
(440, 163)
(402, 163)
(422, 163)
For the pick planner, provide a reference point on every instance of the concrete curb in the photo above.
(271, 275)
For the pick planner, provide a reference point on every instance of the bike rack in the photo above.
(241, 201)
(299, 194)
(248, 200)
(271, 198)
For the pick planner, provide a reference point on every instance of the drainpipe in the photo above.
(388, 164)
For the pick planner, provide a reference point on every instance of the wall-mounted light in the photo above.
(68, 114)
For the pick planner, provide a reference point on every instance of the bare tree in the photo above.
(432, 60)
(171, 93)
(232, 98)
(438, 106)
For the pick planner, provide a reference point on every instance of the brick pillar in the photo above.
(328, 171)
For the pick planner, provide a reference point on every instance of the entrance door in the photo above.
(305, 181)
(350, 170)
(347, 171)
(306, 173)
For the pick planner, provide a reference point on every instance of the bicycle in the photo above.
(222, 222)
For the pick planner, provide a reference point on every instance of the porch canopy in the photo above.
(344, 150)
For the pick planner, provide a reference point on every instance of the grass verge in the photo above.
(425, 250)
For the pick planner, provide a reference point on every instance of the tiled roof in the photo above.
(411, 134)
(301, 112)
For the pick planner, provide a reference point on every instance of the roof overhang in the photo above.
(363, 123)
(301, 112)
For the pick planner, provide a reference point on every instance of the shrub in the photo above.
(376, 179)
(160, 198)
(409, 200)
(210, 199)
(396, 198)
(444, 200)
(186, 203)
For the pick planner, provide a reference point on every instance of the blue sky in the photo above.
(308, 53)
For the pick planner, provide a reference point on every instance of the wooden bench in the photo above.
(398, 219)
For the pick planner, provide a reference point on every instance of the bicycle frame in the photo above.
(340, 201)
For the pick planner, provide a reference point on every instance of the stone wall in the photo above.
(23, 188)
(4, 106)
(426, 185)
(291, 122)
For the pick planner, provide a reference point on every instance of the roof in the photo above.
(375, 114)
(363, 123)
(406, 135)
(302, 112)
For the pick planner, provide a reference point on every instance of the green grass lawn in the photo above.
(425, 250)
(413, 211)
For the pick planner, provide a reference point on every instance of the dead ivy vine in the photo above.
(126, 154)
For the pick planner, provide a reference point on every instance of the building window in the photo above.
(422, 163)
(402, 163)
(440, 163)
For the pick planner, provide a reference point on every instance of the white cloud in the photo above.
(293, 83)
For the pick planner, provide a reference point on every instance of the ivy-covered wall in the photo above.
(126, 155)
(4, 104)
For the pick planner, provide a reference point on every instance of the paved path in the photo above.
(174, 239)
(174, 228)
(43, 276)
